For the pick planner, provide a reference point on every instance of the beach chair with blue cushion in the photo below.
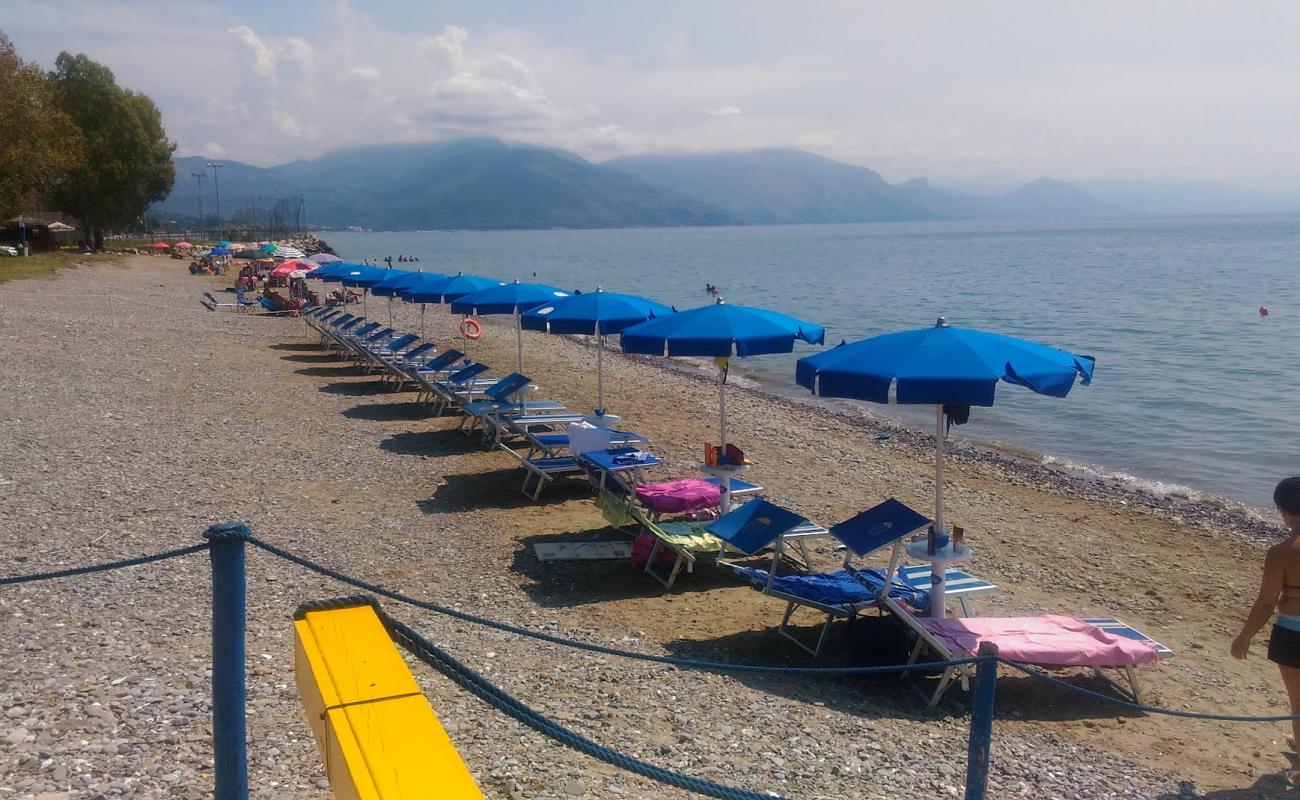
(394, 364)
(834, 594)
(435, 368)
(441, 391)
(369, 354)
(503, 398)
(540, 472)
(335, 338)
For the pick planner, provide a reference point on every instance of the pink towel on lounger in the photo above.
(1046, 640)
(678, 497)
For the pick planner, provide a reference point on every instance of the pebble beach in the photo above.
(129, 426)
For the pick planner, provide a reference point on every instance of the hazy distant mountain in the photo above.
(777, 186)
(488, 184)
(1191, 198)
(472, 183)
(1042, 199)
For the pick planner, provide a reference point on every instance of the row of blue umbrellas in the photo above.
(940, 365)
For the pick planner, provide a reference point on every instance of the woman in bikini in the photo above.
(1280, 589)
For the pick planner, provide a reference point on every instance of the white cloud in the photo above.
(962, 92)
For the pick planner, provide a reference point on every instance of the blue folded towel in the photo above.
(836, 588)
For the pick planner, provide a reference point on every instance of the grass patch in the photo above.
(44, 265)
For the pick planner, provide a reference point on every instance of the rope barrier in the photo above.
(111, 565)
(1168, 712)
(687, 663)
(480, 687)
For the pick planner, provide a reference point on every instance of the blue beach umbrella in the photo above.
(510, 298)
(220, 251)
(598, 314)
(940, 366)
(332, 273)
(448, 288)
(399, 279)
(361, 276)
(720, 330)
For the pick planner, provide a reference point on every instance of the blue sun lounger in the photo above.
(888, 523)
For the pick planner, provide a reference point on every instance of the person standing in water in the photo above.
(1280, 589)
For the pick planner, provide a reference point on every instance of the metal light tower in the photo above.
(198, 178)
(216, 185)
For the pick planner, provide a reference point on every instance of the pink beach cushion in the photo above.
(1047, 640)
(678, 497)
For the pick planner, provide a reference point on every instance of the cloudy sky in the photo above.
(969, 93)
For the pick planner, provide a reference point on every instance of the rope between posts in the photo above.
(111, 565)
(687, 663)
(480, 687)
(1168, 712)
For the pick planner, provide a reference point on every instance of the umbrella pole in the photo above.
(390, 312)
(938, 470)
(519, 341)
(422, 320)
(938, 589)
(600, 372)
(724, 480)
(365, 305)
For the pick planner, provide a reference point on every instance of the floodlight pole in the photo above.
(216, 185)
(198, 178)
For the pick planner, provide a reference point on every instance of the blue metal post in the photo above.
(981, 721)
(229, 743)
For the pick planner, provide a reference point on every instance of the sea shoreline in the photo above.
(1027, 467)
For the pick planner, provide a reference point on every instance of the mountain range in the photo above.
(489, 184)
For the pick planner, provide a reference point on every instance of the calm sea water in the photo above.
(1193, 388)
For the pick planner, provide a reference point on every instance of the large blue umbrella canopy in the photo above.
(593, 313)
(449, 288)
(596, 314)
(942, 366)
(510, 298)
(720, 330)
(333, 273)
(364, 276)
(394, 280)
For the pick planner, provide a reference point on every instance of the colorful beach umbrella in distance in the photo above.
(223, 243)
(266, 248)
(510, 298)
(184, 245)
(720, 330)
(248, 254)
(324, 258)
(598, 314)
(160, 246)
(940, 366)
(219, 251)
(283, 270)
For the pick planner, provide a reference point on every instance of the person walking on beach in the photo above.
(1280, 589)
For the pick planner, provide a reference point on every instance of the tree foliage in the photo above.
(127, 161)
(39, 144)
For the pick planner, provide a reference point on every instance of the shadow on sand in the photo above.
(428, 443)
(566, 584)
(389, 412)
(347, 388)
(297, 346)
(498, 488)
(310, 358)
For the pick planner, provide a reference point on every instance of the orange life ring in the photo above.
(470, 328)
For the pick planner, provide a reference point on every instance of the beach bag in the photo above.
(643, 545)
(679, 497)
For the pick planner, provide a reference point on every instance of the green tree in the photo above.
(128, 162)
(39, 144)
